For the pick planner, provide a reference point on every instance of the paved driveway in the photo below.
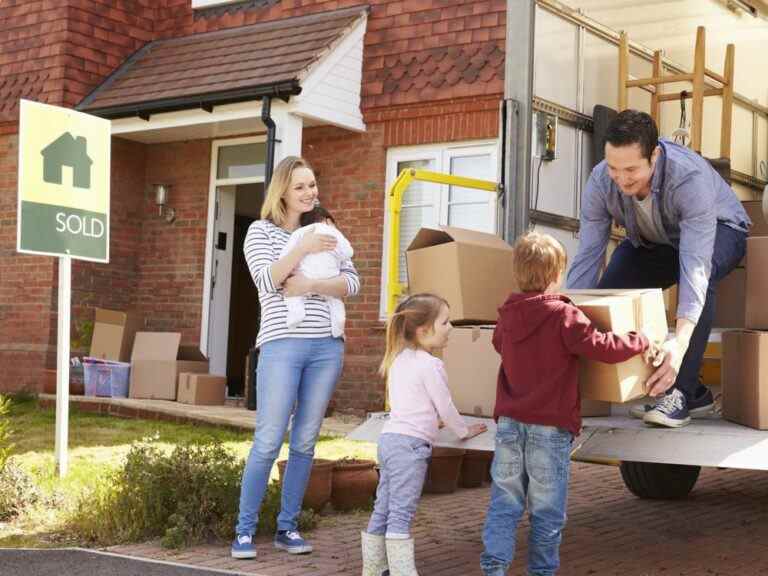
(721, 530)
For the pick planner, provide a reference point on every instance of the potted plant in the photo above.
(318, 492)
(354, 483)
(444, 469)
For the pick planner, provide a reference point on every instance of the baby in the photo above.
(319, 266)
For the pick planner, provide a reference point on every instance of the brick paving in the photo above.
(720, 530)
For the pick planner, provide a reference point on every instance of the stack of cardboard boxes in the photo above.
(161, 368)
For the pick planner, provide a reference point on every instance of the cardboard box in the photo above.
(754, 209)
(113, 334)
(745, 378)
(756, 311)
(730, 308)
(670, 305)
(620, 311)
(201, 389)
(472, 365)
(156, 362)
(471, 270)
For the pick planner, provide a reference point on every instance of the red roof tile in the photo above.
(216, 64)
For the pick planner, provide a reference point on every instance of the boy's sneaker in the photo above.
(243, 548)
(702, 405)
(670, 411)
(292, 542)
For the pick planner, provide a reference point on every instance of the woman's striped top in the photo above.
(263, 244)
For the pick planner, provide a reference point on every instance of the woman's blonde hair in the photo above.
(539, 260)
(417, 311)
(274, 203)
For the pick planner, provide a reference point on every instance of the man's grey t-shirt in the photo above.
(649, 231)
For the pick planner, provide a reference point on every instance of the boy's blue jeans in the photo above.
(292, 372)
(531, 467)
(659, 267)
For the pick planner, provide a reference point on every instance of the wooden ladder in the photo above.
(700, 88)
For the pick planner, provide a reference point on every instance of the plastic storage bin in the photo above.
(106, 378)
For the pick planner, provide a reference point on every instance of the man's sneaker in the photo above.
(292, 542)
(670, 411)
(243, 548)
(703, 405)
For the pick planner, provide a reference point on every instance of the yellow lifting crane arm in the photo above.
(394, 287)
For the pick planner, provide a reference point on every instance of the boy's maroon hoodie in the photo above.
(540, 338)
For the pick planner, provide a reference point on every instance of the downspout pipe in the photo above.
(266, 118)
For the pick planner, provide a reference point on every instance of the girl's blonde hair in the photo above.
(273, 207)
(417, 311)
(539, 260)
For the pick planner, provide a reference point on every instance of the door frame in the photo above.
(215, 183)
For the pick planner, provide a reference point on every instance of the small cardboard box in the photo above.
(471, 270)
(745, 378)
(472, 365)
(113, 334)
(620, 311)
(201, 389)
(756, 311)
(156, 362)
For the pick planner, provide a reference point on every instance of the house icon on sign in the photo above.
(67, 150)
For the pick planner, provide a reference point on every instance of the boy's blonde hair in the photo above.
(274, 204)
(417, 311)
(539, 260)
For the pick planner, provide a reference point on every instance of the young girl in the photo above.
(418, 396)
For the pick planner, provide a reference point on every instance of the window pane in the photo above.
(467, 207)
(411, 219)
(242, 161)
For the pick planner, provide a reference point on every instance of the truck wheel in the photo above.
(659, 481)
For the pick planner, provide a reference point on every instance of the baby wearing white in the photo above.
(319, 266)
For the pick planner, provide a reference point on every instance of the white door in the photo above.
(221, 279)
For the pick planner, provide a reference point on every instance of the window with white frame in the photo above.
(426, 204)
(210, 3)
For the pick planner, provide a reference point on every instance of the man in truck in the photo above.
(683, 225)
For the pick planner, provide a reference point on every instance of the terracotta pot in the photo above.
(354, 484)
(474, 468)
(318, 492)
(443, 471)
(75, 383)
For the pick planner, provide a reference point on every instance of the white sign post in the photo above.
(63, 211)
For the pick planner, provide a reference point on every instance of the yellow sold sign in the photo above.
(64, 166)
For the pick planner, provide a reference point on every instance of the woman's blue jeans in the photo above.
(298, 373)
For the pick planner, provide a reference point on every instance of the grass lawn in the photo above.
(98, 443)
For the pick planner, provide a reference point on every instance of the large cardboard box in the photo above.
(756, 311)
(472, 365)
(730, 308)
(113, 334)
(620, 311)
(754, 209)
(156, 362)
(745, 378)
(201, 389)
(471, 270)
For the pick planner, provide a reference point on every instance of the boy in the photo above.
(540, 335)
(319, 265)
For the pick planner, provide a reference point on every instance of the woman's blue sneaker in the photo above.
(243, 548)
(703, 405)
(292, 542)
(671, 411)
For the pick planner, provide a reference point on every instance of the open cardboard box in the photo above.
(620, 311)
(156, 362)
(113, 334)
(471, 270)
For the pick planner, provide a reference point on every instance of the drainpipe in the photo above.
(266, 110)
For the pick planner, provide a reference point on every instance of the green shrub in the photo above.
(184, 497)
(17, 491)
(5, 431)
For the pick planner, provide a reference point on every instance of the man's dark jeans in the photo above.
(659, 267)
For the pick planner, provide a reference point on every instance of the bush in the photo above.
(17, 491)
(5, 431)
(183, 497)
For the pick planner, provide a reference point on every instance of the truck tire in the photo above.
(659, 481)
